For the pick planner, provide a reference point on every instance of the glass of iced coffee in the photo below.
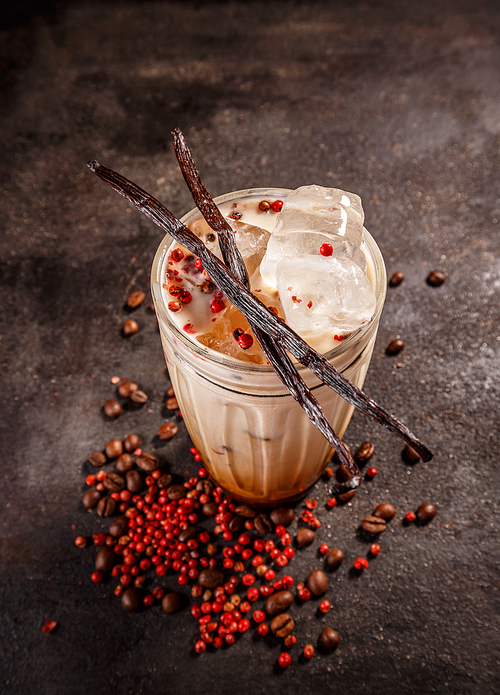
(254, 438)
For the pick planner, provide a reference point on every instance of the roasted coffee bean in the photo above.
(170, 391)
(114, 482)
(209, 509)
(172, 404)
(343, 473)
(167, 431)
(436, 278)
(396, 279)
(329, 638)
(164, 481)
(97, 459)
(211, 578)
(105, 559)
(134, 481)
(91, 498)
(126, 388)
(139, 397)
(282, 625)
(112, 408)
(132, 441)
(106, 506)
(171, 602)
(147, 462)
(410, 455)
(114, 448)
(385, 511)
(263, 524)
(236, 524)
(131, 599)
(119, 527)
(135, 299)
(426, 512)
(364, 453)
(346, 496)
(245, 511)
(334, 558)
(317, 582)
(305, 537)
(175, 492)
(394, 347)
(205, 486)
(130, 327)
(278, 602)
(283, 516)
(124, 463)
(189, 532)
(373, 524)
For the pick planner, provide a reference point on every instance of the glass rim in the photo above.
(232, 362)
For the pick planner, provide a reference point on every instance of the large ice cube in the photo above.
(312, 216)
(321, 295)
(251, 242)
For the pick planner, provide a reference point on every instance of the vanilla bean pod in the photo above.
(276, 355)
(254, 310)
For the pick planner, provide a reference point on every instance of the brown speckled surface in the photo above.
(396, 101)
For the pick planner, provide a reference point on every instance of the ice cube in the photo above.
(251, 242)
(312, 216)
(324, 295)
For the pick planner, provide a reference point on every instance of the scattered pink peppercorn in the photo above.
(245, 341)
(410, 516)
(371, 472)
(311, 504)
(80, 541)
(263, 629)
(324, 549)
(259, 616)
(326, 250)
(49, 626)
(200, 646)
(324, 606)
(217, 305)
(309, 651)
(361, 563)
(96, 577)
(290, 640)
(284, 658)
(304, 594)
(277, 205)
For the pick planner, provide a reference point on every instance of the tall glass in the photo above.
(254, 438)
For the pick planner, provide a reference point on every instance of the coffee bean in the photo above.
(410, 455)
(188, 533)
(130, 327)
(346, 496)
(91, 498)
(170, 391)
(245, 511)
(282, 625)
(329, 638)
(343, 473)
(131, 599)
(135, 299)
(394, 347)
(126, 388)
(334, 558)
(396, 279)
(112, 408)
(305, 537)
(172, 404)
(426, 512)
(364, 453)
(124, 463)
(164, 481)
(317, 582)
(114, 448)
(147, 462)
(283, 516)
(278, 602)
(134, 481)
(385, 511)
(114, 482)
(167, 431)
(119, 527)
(209, 509)
(436, 278)
(132, 441)
(211, 578)
(236, 524)
(373, 524)
(205, 486)
(105, 559)
(263, 524)
(97, 459)
(139, 397)
(175, 492)
(106, 506)
(171, 602)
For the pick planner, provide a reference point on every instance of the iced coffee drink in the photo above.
(311, 261)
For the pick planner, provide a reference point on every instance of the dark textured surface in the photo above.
(397, 101)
